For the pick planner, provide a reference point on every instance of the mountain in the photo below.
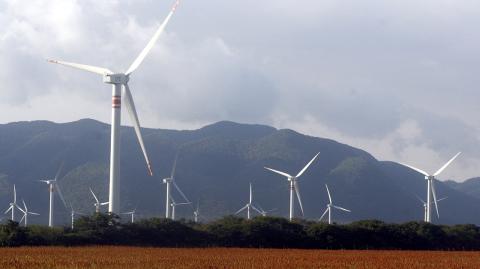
(469, 186)
(215, 164)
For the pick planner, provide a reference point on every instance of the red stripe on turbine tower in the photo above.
(116, 101)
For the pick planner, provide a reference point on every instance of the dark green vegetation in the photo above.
(215, 165)
(263, 232)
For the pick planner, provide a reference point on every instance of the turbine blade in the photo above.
(241, 209)
(416, 169)
(8, 210)
(105, 203)
(22, 218)
(278, 172)
(19, 208)
(59, 191)
(59, 170)
(445, 165)
(136, 124)
(94, 196)
(299, 198)
(328, 192)
(306, 166)
(89, 68)
(420, 199)
(172, 175)
(250, 193)
(323, 215)
(441, 199)
(435, 197)
(180, 191)
(152, 41)
(341, 208)
(25, 206)
(14, 194)
(256, 209)
(33, 213)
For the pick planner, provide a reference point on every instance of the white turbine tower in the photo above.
(425, 206)
(249, 205)
(119, 82)
(26, 213)
(72, 215)
(431, 186)
(196, 213)
(294, 185)
(329, 207)
(175, 204)
(13, 204)
(97, 203)
(52, 187)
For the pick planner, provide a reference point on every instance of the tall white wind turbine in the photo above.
(294, 185)
(249, 205)
(97, 203)
(119, 83)
(52, 187)
(169, 181)
(196, 212)
(26, 213)
(329, 207)
(72, 215)
(431, 186)
(13, 204)
(131, 213)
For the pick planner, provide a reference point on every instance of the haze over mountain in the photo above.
(214, 167)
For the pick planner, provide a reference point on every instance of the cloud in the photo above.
(396, 78)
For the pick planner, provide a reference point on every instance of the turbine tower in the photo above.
(97, 203)
(196, 213)
(72, 215)
(431, 186)
(425, 206)
(329, 207)
(26, 213)
(175, 204)
(249, 205)
(294, 185)
(13, 204)
(52, 187)
(119, 83)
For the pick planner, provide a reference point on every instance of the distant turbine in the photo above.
(97, 203)
(26, 213)
(329, 207)
(425, 206)
(73, 213)
(196, 213)
(294, 185)
(174, 205)
(13, 204)
(431, 186)
(119, 81)
(52, 183)
(249, 205)
(171, 181)
(265, 212)
(131, 213)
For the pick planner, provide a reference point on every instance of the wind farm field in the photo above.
(135, 257)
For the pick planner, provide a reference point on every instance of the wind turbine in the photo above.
(131, 213)
(13, 204)
(265, 212)
(329, 208)
(249, 205)
(119, 82)
(169, 199)
(52, 183)
(294, 185)
(196, 213)
(431, 186)
(26, 213)
(175, 204)
(97, 203)
(73, 213)
(425, 206)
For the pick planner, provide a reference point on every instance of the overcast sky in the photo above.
(399, 79)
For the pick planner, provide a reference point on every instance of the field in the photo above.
(145, 258)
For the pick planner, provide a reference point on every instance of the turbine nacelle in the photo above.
(167, 180)
(116, 78)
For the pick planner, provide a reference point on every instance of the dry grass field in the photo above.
(145, 258)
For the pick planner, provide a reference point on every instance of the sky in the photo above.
(397, 78)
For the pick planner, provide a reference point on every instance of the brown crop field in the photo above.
(146, 258)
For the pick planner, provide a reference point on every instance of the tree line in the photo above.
(260, 232)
